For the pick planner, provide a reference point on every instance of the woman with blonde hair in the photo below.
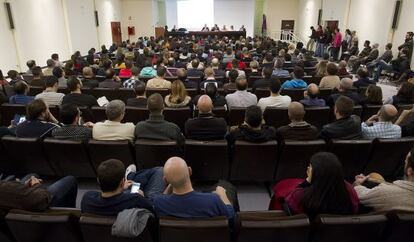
(178, 97)
(322, 68)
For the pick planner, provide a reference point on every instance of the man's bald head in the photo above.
(296, 112)
(387, 113)
(346, 84)
(313, 90)
(204, 104)
(176, 172)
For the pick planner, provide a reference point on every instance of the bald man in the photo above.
(205, 126)
(311, 97)
(180, 199)
(298, 129)
(346, 89)
(381, 125)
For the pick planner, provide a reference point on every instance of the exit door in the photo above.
(116, 32)
(332, 25)
(287, 29)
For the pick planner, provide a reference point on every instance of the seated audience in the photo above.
(347, 126)
(322, 68)
(254, 66)
(405, 95)
(373, 95)
(241, 98)
(115, 195)
(265, 81)
(209, 77)
(76, 97)
(49, 69)
(205, 126)
(30, 64)
(298, 129)
(71, 129)
(39, 121)
(182, 76)
(342, 71)
(395, 196)
(211, 91)
(311, 97)
(140, 101)
(236, 66)
(297, 81)
(89, 80)
(178, 97)
(30, 193)
(194, 71)
(253, 129)
(148, 70)
(113, 129)
(131, 82)
(21, 89)
(37, 80)
(156, 128)
(182, 201)
(60, 74)
(159, 81)
(380, 125)
(331, 80)
(111, 80)
(399, 65)
(345, 89)
(278, 69)
(215, 64)
(14, 77)
(275, 99)
(127, 71)
(324, 191)
(363, 78)
(50, 94)
(233, 74)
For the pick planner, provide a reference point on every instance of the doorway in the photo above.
(287, 28)
(116, 32)
(332, 25)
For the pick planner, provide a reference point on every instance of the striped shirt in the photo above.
(51, 98)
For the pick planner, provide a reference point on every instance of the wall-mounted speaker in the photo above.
(9, 15)
(396, 14)
(96, 19)
(320, 17)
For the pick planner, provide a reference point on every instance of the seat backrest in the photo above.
(33, 91)
(248, 166)
(208, 159)
(190, 230)
(48, 226)
(28, 156)
(125, 94)
(178, 116)
(101, 151)
(135, 115)
(324, 93)
(353, 154)
(109, 93)
(295, 157)
(163, 91)
(75, 161)
(153, 153)
(388, 157)
(236, 116)
(364, 228)
(98, 228)
(252, 79)
(192, 92)
(317, 116)
(6, 163)
(294, 93)
(99, 114)
(276, 117)
(7, 112)
(5, 233)
(261, 93)
(369, 110)
(399, 227)
(266, 226)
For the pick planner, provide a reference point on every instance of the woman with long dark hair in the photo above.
(324, 191)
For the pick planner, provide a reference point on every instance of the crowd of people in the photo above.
(168, 190)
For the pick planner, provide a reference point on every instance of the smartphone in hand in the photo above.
(135, 187)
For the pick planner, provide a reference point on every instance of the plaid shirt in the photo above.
(130, 83)
(383, 130)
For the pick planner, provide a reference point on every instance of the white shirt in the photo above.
(241, 99)
(276, 102)
(110, 130)
(51, 98)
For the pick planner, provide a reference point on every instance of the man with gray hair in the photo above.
(113, 129)
(49, 70)
(380, 125)
(345, 89)
(215, 64)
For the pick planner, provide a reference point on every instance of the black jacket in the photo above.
(206, 127)
(358, 100)
(243, 132)
(345, 128)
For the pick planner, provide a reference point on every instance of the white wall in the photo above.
(236, 13)
(8, 58)
(80, 20)
(405, 25)
(337, 10)
(108, 11)
(307, 16)
(278, 10)
(171, 11)
(141, 14)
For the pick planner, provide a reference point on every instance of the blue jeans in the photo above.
(382, 65)
(319, 49)
(152, 181)
(64, 192)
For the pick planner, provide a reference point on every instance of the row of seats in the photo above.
(276, 117)
(210, 160)
(69, 225)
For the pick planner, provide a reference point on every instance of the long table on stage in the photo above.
(219, 34)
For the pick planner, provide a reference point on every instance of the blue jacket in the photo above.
(294, 83)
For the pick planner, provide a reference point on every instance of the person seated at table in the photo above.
(205, 28)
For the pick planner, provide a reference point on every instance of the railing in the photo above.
(290, 36)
